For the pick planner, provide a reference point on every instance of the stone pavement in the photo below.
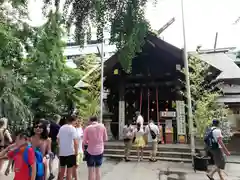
(147, 170)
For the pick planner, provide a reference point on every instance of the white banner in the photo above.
(181, 120)
(121, 119)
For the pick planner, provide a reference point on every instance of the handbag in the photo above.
(153, 134)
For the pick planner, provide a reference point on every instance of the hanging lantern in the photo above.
(115, 72)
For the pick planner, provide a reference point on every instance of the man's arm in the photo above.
(105, 136)
(34, 171)
(4, 152)
(85, 136)
(75, 141)
(146, 129)
(220, 141)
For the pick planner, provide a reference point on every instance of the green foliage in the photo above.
(125, 18)
(12, 30)
(34, 79)
(90, 104)
(204, 96)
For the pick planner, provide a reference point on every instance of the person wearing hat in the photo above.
(217, 151)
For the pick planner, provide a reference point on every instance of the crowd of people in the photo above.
(30, 152)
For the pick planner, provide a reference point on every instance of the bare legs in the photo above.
(74, 173)
(94, 173)
(91, 172)
(62, 173)
(140, 153)
(216, 169)
(97, 173)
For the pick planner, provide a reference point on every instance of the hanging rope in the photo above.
(157, 105)
(148, 104)
(140, 108)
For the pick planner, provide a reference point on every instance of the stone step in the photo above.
(175, 154)
(171, 159)
(164, 148)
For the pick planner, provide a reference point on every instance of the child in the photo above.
(139, 141)
(21, 168)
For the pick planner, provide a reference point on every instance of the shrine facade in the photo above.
(154, 87)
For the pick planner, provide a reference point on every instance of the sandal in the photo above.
(210, 178)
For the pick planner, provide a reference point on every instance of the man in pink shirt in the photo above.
(94, 136)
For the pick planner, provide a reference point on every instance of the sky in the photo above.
(203, 18)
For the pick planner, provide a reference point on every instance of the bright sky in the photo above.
(203, 18)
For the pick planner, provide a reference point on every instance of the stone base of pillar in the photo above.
(107, 123)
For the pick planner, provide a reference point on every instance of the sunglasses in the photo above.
(39, 126)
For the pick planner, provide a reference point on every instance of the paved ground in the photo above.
(146, 170)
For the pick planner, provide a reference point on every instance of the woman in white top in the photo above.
(79, 130)
(139, 141)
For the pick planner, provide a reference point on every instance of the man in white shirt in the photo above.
(68, 148)
(217, 151)
(152, 131)
(140, 119)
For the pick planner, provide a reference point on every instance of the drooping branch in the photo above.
(126, 19)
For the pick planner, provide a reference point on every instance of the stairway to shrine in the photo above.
(166, 152)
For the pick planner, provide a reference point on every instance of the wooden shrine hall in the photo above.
(154, 87)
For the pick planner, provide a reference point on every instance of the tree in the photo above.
(90, 105)
(125, 18)
(34, 79)
(12, 35)
(204, 96)
(49, 82)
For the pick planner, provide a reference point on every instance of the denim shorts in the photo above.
(94, 160)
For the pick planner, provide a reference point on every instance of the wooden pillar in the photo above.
(181, 121)
(121, 112)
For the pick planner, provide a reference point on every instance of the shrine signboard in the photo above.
(181, 120)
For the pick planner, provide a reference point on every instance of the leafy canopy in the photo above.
(204, 97)
(126, 19)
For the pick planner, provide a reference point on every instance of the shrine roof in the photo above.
(153, 44)
(222, 60)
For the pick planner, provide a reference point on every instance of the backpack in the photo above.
(209, 140)
(153, 134)
(38, 159)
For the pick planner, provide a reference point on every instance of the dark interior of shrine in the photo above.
(153, 85)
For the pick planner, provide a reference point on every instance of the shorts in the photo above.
(79, 158)
(68, 161)
(94, 160)
(218, 158)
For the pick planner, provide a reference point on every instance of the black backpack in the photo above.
(209, 140)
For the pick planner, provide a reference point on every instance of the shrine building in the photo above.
(154, 87)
